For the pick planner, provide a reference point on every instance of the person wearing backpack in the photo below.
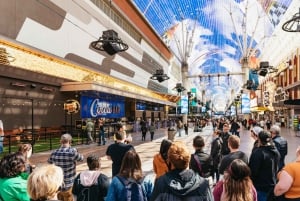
(215, 154)
(280, 143)
(91, 184)
(200, 162)
(224, 136)
(181, 183)
(130, 184)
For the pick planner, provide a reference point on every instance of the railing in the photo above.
(43, 139)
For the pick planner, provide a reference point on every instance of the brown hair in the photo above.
(23, 149)
(93, 162)
(198, 142)
(238, 185)
(131, 166)
(234, 141)
(178, 155)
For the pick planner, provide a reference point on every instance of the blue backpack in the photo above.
(134, 189)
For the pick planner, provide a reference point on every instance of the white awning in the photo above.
(94, 86)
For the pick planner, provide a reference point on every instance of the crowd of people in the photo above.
(179, 174)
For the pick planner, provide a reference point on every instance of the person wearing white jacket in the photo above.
(91, 184)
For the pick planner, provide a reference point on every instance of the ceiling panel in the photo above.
(213, 36)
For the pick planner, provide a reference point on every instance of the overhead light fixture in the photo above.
(18, 84)
(47, 89)
(179, 88)
(292, 25)
(110, 43)
(159, 76)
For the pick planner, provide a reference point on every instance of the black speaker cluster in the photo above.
(160, 76)
(110, 43)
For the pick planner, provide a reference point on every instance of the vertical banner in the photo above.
(184, 104)
(96, 107)
(232, 110)
(194, 97)
(245, 104)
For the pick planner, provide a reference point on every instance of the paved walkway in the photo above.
(148, 149)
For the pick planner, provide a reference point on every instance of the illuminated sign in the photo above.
(97, 107)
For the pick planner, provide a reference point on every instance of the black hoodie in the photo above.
(263, 163)
(178, 185)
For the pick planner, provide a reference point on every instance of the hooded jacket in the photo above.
(178, 185)
(91, 186)
(263, 163)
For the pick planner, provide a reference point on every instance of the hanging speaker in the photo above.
(111, 48)
(263, 72)
(264, 64)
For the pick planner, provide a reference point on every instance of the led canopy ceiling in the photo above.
(216, 37)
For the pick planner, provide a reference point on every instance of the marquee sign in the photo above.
(99, 107)
(71, 106)
(280, 95)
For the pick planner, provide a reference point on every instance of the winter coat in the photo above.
(177, 185)
(160, 166)
(117, 189)
(263, 163)
(91, 186)
(205, 162)
(215, 151)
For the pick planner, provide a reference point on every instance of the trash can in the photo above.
(171, 134)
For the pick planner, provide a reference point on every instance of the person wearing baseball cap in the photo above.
(263, 163)
(254, 133)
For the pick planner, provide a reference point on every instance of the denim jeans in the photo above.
(261, 196)
(101, 137)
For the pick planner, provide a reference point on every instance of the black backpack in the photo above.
(134, 189)
(281, 145)
(225, 149)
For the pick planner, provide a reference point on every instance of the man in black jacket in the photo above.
(224, 136)
(235, 153)
(264, 165)
(201, 162)
(280, 143)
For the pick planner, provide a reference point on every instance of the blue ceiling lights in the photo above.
(214, 37)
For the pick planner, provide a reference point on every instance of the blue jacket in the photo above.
(116, 189)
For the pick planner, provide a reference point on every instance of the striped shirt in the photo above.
(66, 157)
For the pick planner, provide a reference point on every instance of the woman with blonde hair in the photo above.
(44, 183)
(236, 184)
